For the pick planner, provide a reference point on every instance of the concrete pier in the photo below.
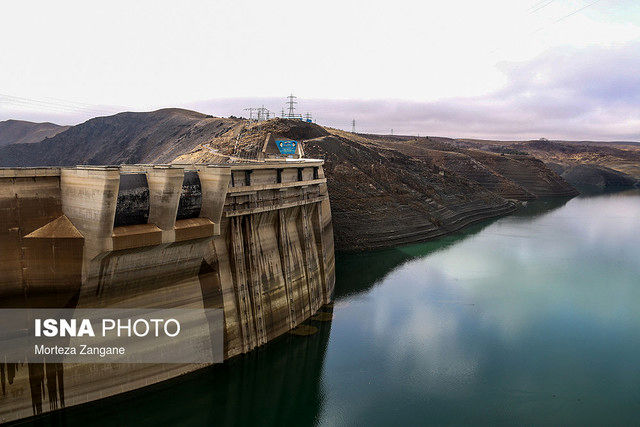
(165, 186)
(254, 239)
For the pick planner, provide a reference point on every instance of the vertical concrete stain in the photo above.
(262, 251)
(2, 378)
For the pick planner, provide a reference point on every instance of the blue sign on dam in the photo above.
(287, 146)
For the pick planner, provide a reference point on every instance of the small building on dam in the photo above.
(253, 239)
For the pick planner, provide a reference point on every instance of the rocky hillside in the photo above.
(22, 132)
(474, 170)
(527, 171)
(512, 176)
(623, 157)
(155, 137)
(448, 156)
(381, 197)
(384, 190)
(594, 178)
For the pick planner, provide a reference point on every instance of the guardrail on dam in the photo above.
(252, 239)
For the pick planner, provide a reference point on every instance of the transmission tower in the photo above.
(251, 110)
(263, 113)
(292, 102)
(353, 126)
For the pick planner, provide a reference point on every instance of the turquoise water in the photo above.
(530, 319)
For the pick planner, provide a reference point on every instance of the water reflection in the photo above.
(540, 207)
(359, 271)
(531, 320)
(528, 319)
(275, 385)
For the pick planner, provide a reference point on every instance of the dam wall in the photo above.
(253, 239)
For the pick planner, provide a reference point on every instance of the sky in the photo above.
(503, 69)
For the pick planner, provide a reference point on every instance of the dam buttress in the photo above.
(253, 239)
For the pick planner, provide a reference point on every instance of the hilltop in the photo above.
(131, 137)
(582, 163)
(384, 190)
(392, 190)
(23, 132)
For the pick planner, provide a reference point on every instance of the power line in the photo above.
(37, 102)
(42, 106)
(567, 16)
(48, 105)
(536, 4)
(552, 23)
(577, 11)
(84, 104)
(541, 7)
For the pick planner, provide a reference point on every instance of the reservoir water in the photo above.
(533, 318)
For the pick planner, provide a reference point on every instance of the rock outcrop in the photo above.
(385, 198)
(591, 177)
(527, 171)
(622, 157)
(446, 155)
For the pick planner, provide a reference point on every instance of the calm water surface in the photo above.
(530, 319)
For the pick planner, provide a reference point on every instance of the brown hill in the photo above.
(384, 190)
(513, 176)
(447, 155)
(623, 158)
(154, 137)
(379, 197)
(594, 178)
(620, 156)
(527, 171)
(23, 132)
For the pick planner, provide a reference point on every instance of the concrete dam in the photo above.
(253, 239)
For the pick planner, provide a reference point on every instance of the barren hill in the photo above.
(600, 156)
(623, 158)
(23, 132)
(513, 176)
(384, 190)
(448, 156)
(390, 190)
(379, 197)
(594, 178)
(153, 137)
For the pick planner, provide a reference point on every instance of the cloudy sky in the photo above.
(508, 69)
